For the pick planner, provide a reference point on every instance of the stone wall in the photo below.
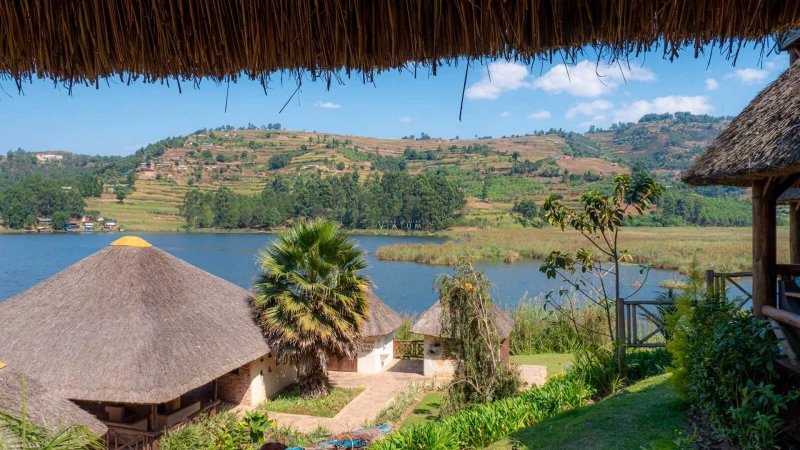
(234, 387)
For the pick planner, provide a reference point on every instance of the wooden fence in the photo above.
(644, 326)
(409, 349)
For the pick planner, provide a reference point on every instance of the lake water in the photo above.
(28, 259)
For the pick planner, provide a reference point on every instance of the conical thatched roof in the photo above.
(179, 40)
(381, 319)
(430, 322)
(42, 407)
(130, 324)
(762, 141)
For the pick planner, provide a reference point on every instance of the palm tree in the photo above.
(311, 300)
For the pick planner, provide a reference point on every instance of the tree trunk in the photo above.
(312, 375)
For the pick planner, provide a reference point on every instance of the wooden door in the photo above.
(343, 364)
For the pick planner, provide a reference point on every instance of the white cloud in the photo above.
(503, 76)
(539, 115)
(505, 114)
(769, 65)
(632, 112)
(404, 119)
(711, 84)
(587, 80)
(749, 75)
(588, 109)
(327, 105)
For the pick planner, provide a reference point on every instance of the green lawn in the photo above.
(555, 362)
(646, 412)
(427, 410)
(289, 401)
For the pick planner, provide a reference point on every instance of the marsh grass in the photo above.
(723, 249)
(290, 401)
(539, 329)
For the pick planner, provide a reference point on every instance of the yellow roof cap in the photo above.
(130, 241)
(2, 364)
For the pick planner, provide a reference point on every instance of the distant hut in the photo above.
(437, 360)
(42, 407)
(140, 338)
(377, 340)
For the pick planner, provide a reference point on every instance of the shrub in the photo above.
(599, 370)
(479, 426)
(724, 368)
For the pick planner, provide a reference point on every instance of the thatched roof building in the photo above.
(129, 324)
(381, 320)
(430, 322)
(86, 40)
(762, 141)
(42, 407)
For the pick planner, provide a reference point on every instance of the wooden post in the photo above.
(153, 417)
(764, 251)
(214, 389)
(710, 282)
(794, 232)
(620, 307)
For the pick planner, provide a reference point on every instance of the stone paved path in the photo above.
(378, 390)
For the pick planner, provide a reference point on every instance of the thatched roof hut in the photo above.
(129, 324)
(381, 320)
(762, 141)
(430, 322)
(86, 40)
(42, 407)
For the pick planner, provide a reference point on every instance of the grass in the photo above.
(289, 401)
(397, 407)
(426, 411)
(725, 249)
(554, 362)
(646, 412)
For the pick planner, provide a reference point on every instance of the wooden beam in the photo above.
(784, 317)
(764, 251)
(794, 233)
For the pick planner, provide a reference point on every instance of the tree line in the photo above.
(396, 199)
(22, 203)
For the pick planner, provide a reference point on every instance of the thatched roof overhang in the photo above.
(430, 322)
(85, 41)
(42, 407)
(381, 320)
(129, 324)
(763, 141)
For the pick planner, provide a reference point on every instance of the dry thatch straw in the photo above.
(762, 141)
(84, 41)
(381, 320)
(42, 407)
(430, 322)
(129, 324)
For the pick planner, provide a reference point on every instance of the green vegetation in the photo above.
(644, 413)
(555, 362)
(310, 299)
(228, 431)
(293, 402)
(468, 316)
(396, 199)
(427, 410)
(22, 203)
(538, 328)
(725, 249)
(394, 410)
(724, 367)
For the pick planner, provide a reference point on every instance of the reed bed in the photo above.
(722, 249)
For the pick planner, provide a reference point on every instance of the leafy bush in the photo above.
(599, 369)
(224, 431)
(724, 367)
(479, 426)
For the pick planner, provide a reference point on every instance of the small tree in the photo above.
(60, 220)
(599, 221)
(468, 325)
(121, 195)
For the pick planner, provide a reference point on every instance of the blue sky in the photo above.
(516, 100)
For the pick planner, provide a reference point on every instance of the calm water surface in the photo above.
(28, 259)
